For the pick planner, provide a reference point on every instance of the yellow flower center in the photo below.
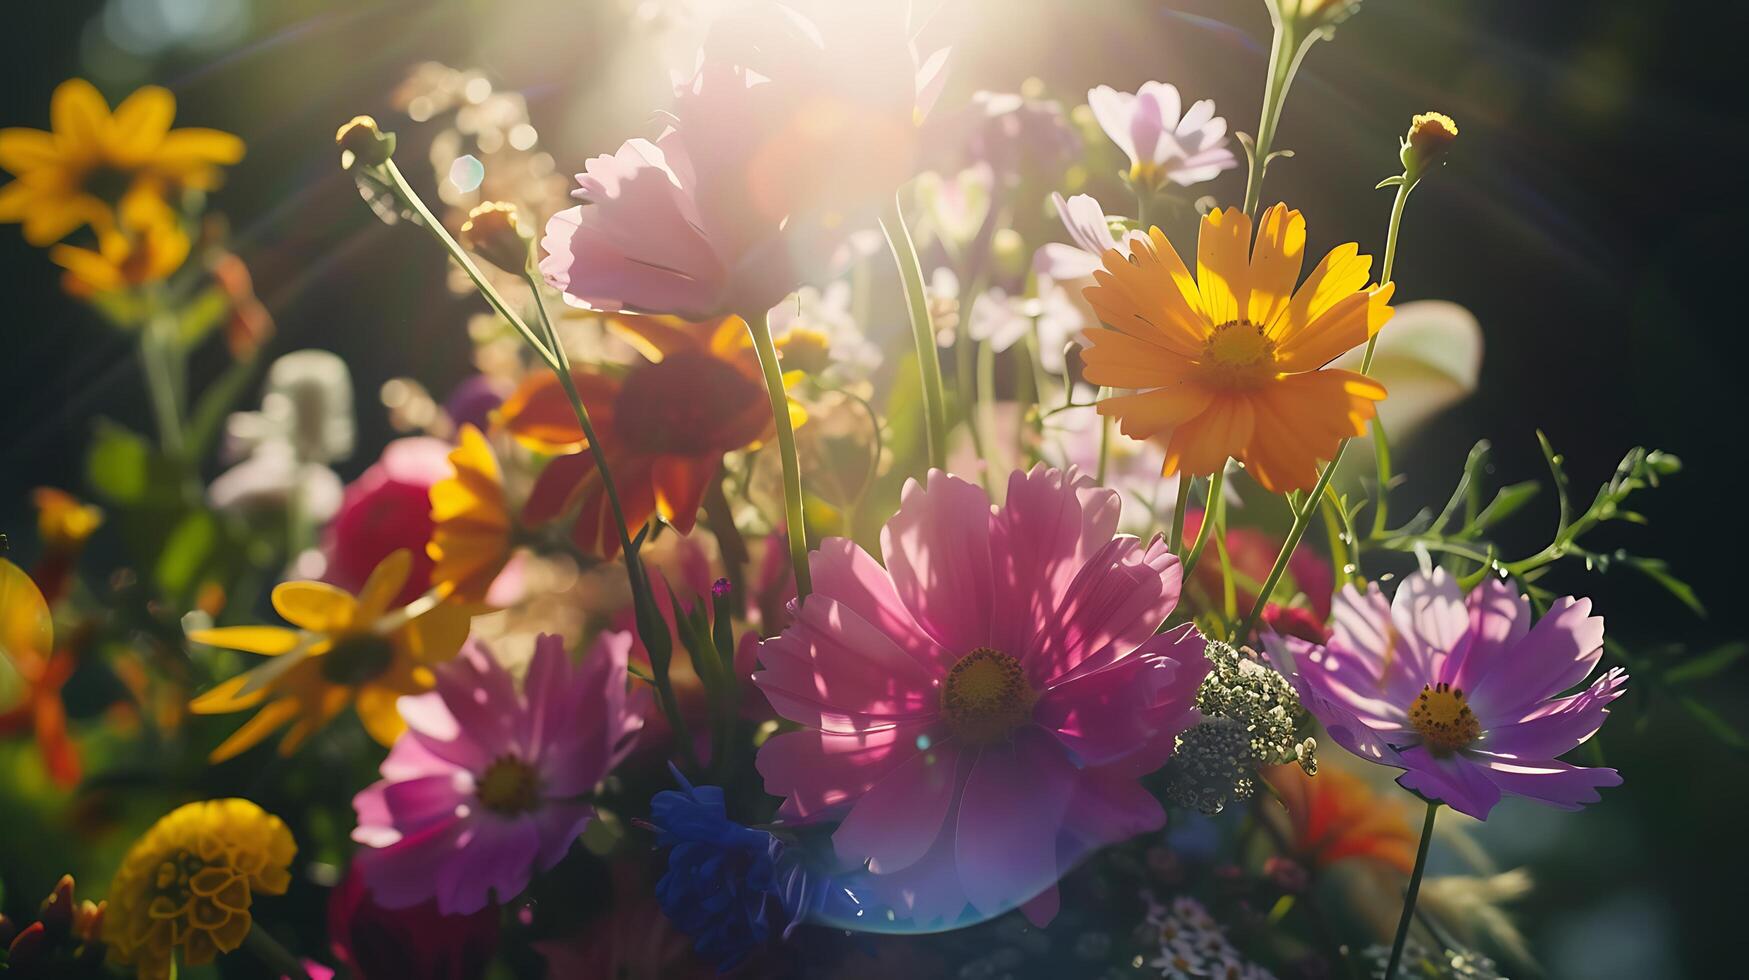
(1237, 354)
(171, 883)
(356, 659)
(509, 786)
(1444, 719)
(986, 696)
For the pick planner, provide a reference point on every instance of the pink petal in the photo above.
(1362, 631)
(820, 773)
(1559, 726)
(1557, 653)
(1499, 618)
(492, 861)
(832, 670)
(847, 574)
(1430, 616)
(1555, 783)
(1052, 524)
(1010, 814)
(896, 821)
(481, 696)
(1458, 781)
(1114, 604)
(938, 551)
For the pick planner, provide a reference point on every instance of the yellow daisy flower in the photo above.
(123, 259)
(189, 882)
(1232, 362)
(345, 650)
(96, 164)
(470, 539)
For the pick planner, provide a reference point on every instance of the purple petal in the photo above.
(820, 773)
(1499, 618)
(1010, 814)
(1430, 615)
(1557, 653)
(1559, 726)
(1458, 781)
(1556, 783)
(896, 821)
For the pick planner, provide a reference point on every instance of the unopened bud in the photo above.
(1431, 135)
(1313, 15)
(360, 141)
(58, 909)
(27, 946)
(493, 232)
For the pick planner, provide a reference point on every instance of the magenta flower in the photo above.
(490, 785)
(978, 711)
(1463, 694)
(1165, 142)
(789, 130)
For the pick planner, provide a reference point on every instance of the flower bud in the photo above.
(493, 232)
(1431, 135)
(1313, 15)
(360, 141)
(58, 909)
(27, 947)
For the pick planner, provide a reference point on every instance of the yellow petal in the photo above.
(315, 606)
(1153, 413)
(1275, 263)
(1342, 272)
(255, 729)
(1347, 324)
(23, 150)
(1223, 264)
(439, 634)
(79, 114)
(228, 697)
(191, 150)
(384, 585)
(268, 641)
(376, 708)
(52, 217)
(1201, 446)
(139, 124)
(26, 626)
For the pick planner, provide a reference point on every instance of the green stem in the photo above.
(157, 349)
(984, 407)
(1104, 438)
(1176, 542)
(1285, 56)
(1213, 501)
(1391, 235)
(561, 365)
(1414, 890)
(797, 530)
(411, 198)
(278, 960)
(922, 331)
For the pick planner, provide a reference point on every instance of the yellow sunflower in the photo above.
(96, 165)
(1231, 362)
(190, 881)
(470, 539)
(345, 650)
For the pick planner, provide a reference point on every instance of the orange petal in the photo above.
(1275, 263)
(1201, 446)
(1223, 265)
(1152, 413)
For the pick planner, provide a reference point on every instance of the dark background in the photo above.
(1591, 218)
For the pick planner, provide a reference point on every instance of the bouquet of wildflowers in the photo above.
(883, 531)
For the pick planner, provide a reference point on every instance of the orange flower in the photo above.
(1231, 362)
(27, 643)
(470, 536)
(664, 427)
(1336, 815)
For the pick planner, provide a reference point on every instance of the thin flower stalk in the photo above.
(922, 334)
(1414, 891)
(797, 528)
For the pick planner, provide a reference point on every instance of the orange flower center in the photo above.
(509, 786)
(1238, 355)
(1444, 719)
(986, 696)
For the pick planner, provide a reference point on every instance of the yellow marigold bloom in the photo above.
(96, 164)
(189, 882)
(345, 650)
(470, 539)
(63, 521)
(1231, 362)
(123, 259)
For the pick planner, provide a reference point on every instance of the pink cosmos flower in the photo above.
(1165, 142)
(978, 711)
(489, 784)
(1461, 693)
(789, 129)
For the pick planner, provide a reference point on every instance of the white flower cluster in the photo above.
(1193, 945)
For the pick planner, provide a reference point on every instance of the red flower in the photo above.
(413, 943)
(386, 509)
(664, 427)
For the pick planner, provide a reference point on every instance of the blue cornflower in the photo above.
(729, 886)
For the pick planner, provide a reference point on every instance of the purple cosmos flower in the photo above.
(490, 784)
(1461, 693)
(1165, 143)
(978, 711)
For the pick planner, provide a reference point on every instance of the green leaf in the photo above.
(201, 315)
(187, 552)
(1659, 571)
(120, 463)
(1715, 724)
(1706, 665)
(1507, 501)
